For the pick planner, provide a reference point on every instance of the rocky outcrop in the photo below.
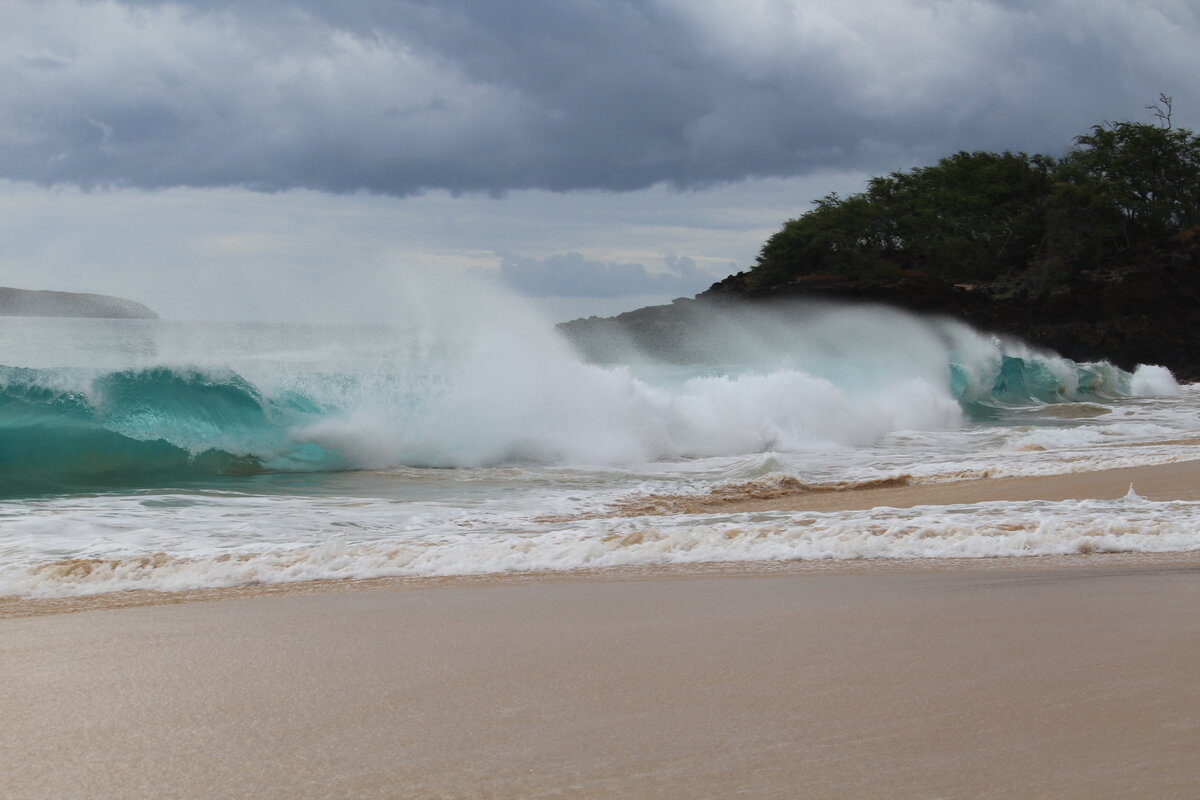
(1145, 310)
(26, 303)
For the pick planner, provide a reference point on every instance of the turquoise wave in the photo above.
(64, 431)
(1020, 383)
(152, 427)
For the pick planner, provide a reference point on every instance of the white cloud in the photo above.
(237, 254)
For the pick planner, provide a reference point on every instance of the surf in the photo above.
(504, 389)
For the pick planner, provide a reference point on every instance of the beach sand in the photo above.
(1003, 678)
(1175, 481)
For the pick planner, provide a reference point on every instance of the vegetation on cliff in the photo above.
(1030, 222)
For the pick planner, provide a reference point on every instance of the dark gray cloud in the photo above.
(400, 96)
(572, 275)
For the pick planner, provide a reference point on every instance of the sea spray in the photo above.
(472, 377)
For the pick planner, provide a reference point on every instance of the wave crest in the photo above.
(495, 395)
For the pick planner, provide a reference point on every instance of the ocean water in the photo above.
(469, 438)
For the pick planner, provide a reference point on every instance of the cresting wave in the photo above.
(482, 399)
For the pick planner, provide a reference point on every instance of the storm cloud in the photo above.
(404, 96)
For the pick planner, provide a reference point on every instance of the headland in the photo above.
(40, 303)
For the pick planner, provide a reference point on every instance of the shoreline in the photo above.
(1065, 676)
(1171, 481)
(1065, 682)
(24, 607)
(1176, 480)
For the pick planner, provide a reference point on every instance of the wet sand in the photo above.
(1069, 677)
(1014, 682)
(1176, 481)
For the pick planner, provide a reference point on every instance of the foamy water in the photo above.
(230, 541)
(173, 456)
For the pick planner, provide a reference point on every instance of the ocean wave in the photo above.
(67, 430)
(497, 389)
(71, 431)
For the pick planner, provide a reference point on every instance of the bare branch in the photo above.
(1162, 110)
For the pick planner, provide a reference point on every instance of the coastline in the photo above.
(1172, 481)
(1039, 676)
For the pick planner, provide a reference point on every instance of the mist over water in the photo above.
(174, 455)
(473, 377)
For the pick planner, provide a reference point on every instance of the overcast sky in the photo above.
(271, 158)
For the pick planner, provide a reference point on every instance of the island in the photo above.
(1094, 255)
(35, 303)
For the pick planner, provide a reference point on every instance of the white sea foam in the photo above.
(1154, 381)
(353, 544)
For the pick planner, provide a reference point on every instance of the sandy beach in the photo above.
(1036, 677)
(1005, 683)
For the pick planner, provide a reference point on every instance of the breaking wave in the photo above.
(162, 426)
(472, 390)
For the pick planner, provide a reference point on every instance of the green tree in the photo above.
(1139, 182)
(972, 215)
(985, 216)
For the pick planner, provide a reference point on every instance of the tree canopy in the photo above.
(981, 216)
